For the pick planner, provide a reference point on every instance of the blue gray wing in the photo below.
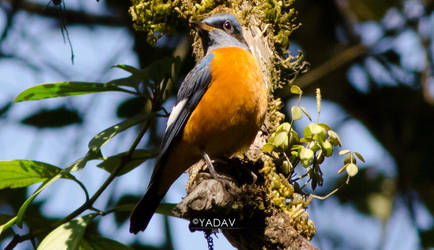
(191, 91)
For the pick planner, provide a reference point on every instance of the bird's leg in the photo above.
(210, 166)
(212, 170)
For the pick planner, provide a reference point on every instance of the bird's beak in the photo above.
(200, 26)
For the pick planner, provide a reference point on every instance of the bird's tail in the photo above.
(169, 167)
(146, 207)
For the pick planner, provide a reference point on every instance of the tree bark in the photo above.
(242, 185)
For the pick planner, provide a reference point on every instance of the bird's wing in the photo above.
(192, 89)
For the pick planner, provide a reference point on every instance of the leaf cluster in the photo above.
(148, 84)
(286, 149)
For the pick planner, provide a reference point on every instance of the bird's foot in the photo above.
(212, 170)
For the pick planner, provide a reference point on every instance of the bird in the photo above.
(220, 107)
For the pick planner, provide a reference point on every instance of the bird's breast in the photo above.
(233, 108)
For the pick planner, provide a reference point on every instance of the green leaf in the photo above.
(137, 158)
(281, 140)
(359, 156)
(352, 169)
(96, 242)
(342, 169)
(307, 133)
(22, 173)
(293, 137)
(64, 173)
(131, 107)
(8, 224)
(296, 113)
(349, 158)
(127, 68)
(306, 113)
(103, 137)
(29, 200)
(126, 207)
(344, 151)
(267, 148)
(50, 90)
(327, 147)
(67, 235)
(286, 126)
(316, 129)
(53, 118)
(334, 138)
(315, 146)
(4, 218)
(296, 90)
(324, 126)
(130, 81)
(167, 66)
(166, 209)
(306, 154)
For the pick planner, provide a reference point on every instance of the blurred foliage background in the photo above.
(373, 61)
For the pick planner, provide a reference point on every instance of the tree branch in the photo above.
(70, 16)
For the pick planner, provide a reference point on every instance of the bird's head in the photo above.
(219, 31)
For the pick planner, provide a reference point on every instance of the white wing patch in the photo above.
(175, 112)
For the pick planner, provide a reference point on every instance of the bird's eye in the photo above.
(227, 25)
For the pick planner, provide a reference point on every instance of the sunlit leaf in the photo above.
(306, 113)
(286, 126)
(342, 169)
(281, 140)
(103, 137)
(267, 147)
(296, 113)
(7, 224)
(324, 126)
(352, 169)
(306, 154)
(296, 90)
(22, 173)
(327, 147)
(344, 151)
(137, 158)
(5, 218)
(334, 138)
(59, 89)
(316, 129)
(67, 235)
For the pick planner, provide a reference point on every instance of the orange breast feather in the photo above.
(233, 108)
